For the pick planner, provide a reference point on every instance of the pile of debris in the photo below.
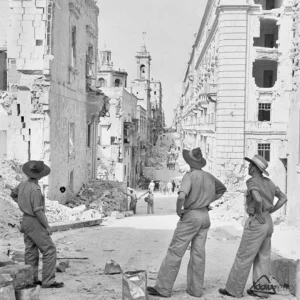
(230, 207)
(157, 157)
(10, 215)
(101, 195)
(6, 100)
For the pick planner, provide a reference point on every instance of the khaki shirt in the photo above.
(30, 198)
(200, 188)
(267, 190)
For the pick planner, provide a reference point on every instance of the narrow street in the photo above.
(140, 243)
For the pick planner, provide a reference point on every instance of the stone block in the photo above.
(78, 209)
(28, 17)
(22, 274)
(61, 226)
(18, 10)
(287, 272)
(16, 17)
(112, 267)
(29, 293)
(28, 3)
(41, 3)
(13, 4)
(128, 213)
(5, 280)
(62, 266)
(7, 293)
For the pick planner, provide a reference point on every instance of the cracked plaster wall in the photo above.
(114, 157)
(42, 110)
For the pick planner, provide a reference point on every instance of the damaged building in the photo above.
(121, 132)
(51, 108)
(237, 87)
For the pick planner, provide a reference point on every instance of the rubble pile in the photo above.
(6, 100)
(10, 215)
(101, 195)
(183, 166)
(158, 157)
(229, 207)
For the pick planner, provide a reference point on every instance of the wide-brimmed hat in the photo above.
(260, 162)
(36, 169)
(194, 158)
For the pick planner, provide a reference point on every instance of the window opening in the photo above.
(264, 151)
(102, 82)
(89, 133)
(264, 112)
(117, 83)
(73, 47)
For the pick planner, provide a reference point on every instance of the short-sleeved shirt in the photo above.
(30, 197)
(200, 188)
(267, 190)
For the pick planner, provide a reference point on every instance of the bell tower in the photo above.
(105, 57)
(143, 59)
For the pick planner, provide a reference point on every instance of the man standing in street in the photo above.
(169, 187)
(152, 186)
(173, 186)
(255, 246)
(150, 203)
(197, 191)
(35, 225)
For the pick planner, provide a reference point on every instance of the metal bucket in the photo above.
(135, 285)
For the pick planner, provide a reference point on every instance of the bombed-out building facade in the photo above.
(238, 86)
(50, 107)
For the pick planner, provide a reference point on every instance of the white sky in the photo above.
(170, 26)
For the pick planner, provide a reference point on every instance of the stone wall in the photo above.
(116, 158)
(49, 119)
(232, 57)
(71, 157)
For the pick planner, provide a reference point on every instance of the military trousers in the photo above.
(192, 228)
(36, 238)
(254, 249)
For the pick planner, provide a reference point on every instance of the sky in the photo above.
(170, 27)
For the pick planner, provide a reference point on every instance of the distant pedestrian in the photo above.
(169, 187)
(152, 186)
(160, 186)
(164, 188)
(173, 186)
(150, 203)
(35, 226)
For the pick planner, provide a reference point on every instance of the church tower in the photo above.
(105, 58)
(143, 59)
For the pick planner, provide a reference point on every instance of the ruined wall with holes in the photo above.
(113, 154)
(293, 205)
(49, 106)
(265, 55)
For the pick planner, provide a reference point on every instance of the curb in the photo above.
(287, 273)
(61, 226)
